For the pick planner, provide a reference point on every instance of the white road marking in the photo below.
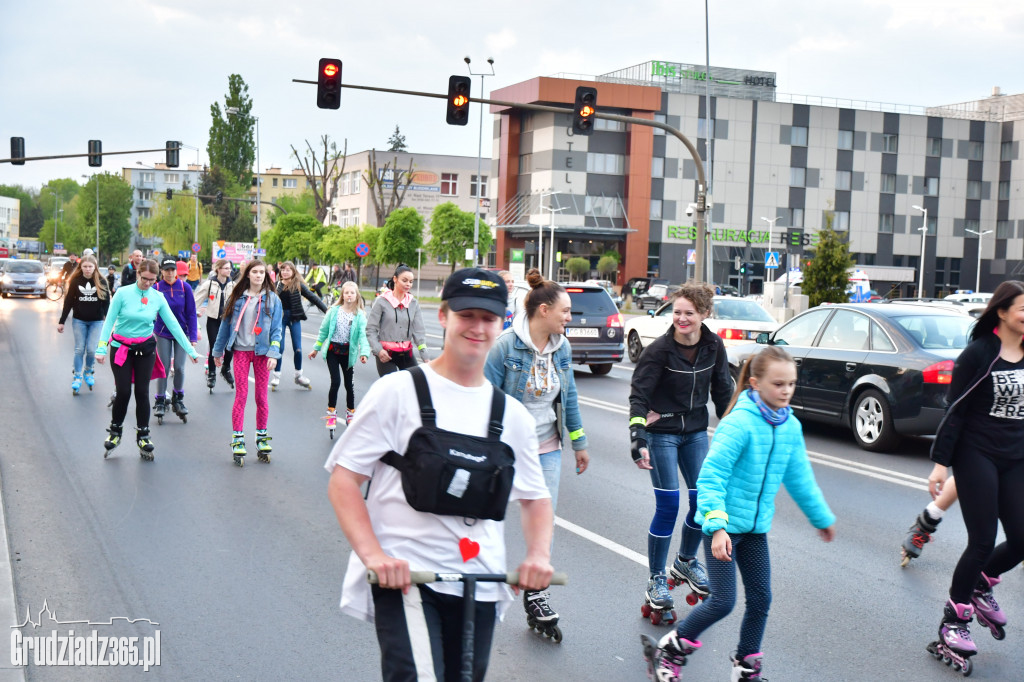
(601, 541)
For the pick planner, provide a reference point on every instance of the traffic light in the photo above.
(458, 101)
(328, 84)
(220, 197)
(95, 153)
(583, 112)
(173, 148)
(170, 194)
(743, 268)
(18, 151)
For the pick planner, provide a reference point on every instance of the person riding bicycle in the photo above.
(317, 280)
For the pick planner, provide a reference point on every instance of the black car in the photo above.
(655, 296)
(596, 329)
(880, 369)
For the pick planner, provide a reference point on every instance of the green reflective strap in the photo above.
(642, 421)
(422, 346)
(275, 343)
(716, 514)
(576, 435)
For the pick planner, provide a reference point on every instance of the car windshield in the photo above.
(938, 331)
(740, 309)
(591, 302)
(657, 290)
(24, 266)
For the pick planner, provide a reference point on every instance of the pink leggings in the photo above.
(241, 361)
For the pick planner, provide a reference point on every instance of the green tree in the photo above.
(396, 143)
(401, 235)
(608, 266)
(451, 233)
(174, 221)
(56, 194)
(115, 200)
(232, 145)
(577, 267)
(302, 204)
(827, 275)
(293, 237)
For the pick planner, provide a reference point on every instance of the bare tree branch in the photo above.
(374, 180)
(321, 175)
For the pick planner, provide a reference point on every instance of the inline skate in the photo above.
(226, 373)
(988, 611)
(238, 447)
(539, 614)
(658, 604)
(303, 381)
(90, 378)
(919, 535)
(144, 442)
(747, 668)
(665, 659)
(178, 406)
(955, 646)
(332, 421)
(211, 376)
(112, 440)
(275, 380)
(76, 384)
(263, 448)
(159, 409)
(692, 574)
(349, 416)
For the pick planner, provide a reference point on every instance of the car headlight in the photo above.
(41, 281)
(7, 279)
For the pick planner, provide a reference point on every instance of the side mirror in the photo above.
(651, 311)
(762, 338)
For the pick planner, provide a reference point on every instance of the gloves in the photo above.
(637, 441)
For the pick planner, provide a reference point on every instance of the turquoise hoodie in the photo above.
(747, 462)
(357, 343)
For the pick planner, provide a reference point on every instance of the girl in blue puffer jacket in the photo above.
(757, 447)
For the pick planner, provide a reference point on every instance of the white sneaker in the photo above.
(275, 379)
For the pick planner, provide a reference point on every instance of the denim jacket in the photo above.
(508, 367)
(268, 341)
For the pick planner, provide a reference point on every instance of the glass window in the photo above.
(147, 176)
(845, 139)
(936, 331)
(797, 177)
(605, 124)
(800, 331)
(841, 221)
(702, 124)
(879, 340)
(274, 183)
(795, 217)
(975, 150)
(604, 207)
(353, 216)
(1004, 189)
(843, 179)
(974, 189)
(798, 136)
(172, 178)
(290, 183)
(1004, 229)
(657, 167)
(525, 122)
(660, 118)
(885, 223)
(931, 187)
(846, 330)
(356, 175)
(933, 224)
(610, 164)
(655, 209)
(449, 184)
(1006, 151)
(934, 146)
(890, 143)
(888, 183)
(479, 189)
(525, 163)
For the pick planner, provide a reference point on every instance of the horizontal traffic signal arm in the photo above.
(244, 200)
(84, 154)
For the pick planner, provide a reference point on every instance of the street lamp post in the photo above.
(977, 283)
(551, 246)
(920, 266)
(771, 224)
(233, 111)
(479, 159)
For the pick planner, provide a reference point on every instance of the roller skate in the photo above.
(76, 384)
(955, 646)
(90, 378)
(692, 574)
(539, 614)
(665, 659)
(658, 605)
(275, 380)
(238, 447)
(159, 409)
(332, 420)
(918, 536)
(226, 373)
(144, 442)
(113, 439)
(349, 416)
(263, 448)
(302, 380)
(211, 377)
(113, 397)
(989, 613)
(178, 406)
(747, 668)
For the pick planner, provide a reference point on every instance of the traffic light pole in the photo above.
(76, 156)
(702, 236)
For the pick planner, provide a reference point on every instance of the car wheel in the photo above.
(601, 370)
(872, 422)
(634, 347)
(734, 372)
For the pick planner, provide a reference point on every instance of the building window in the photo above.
(144, 213)
(525, 125)
(1004, 189)
(145, 195)
(845, 139)
(343, 217)
(525, 164)
(885, 223)
(974, 189)
(890, 143)
(975, 150)
(841, 221)
(354, 182)
(353, 216)
(974, 226)
(478, 189)
(657, 167)
(449, 184)
(934, 146)
(933, 222)
(1006, 151)
(343, 189)
(172, 178)
(655, 209)
(605, 124)
(931, 187)
(888, 185)
(660, 118)
(274, 182)
(844, 179)
(604, 207)
(798, 136)
(610, 164)
(290, 183)
(1004, 229)
(795, 217)
(146, 176)
(797, 177)
(702, 125)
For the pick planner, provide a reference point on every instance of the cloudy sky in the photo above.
(134, 73)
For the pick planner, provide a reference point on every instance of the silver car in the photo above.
(23, 278)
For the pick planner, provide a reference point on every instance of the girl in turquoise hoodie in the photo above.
(344, 330)
(758, 446)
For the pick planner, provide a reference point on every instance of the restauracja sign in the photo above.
(688, 233)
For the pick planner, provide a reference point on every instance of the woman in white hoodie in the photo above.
(531, 361)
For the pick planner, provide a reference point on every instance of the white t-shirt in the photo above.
(387, 417)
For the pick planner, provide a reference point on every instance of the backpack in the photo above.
(454, 474)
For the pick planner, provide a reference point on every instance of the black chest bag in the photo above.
(454, 474)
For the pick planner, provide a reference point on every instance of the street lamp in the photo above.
(920, 266)
(479, 159)
(233, 111)
(977, 283)
(551, 248)
(97, 215)
(771, 223)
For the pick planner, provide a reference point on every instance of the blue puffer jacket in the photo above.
(747, 462)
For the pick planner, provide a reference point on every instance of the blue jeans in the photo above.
(672, 453)
(87, 335)
(551, 463)
(295, 327)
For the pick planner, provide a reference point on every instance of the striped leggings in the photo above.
(261, 368)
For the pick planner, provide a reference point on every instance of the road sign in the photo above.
(691, 256)
(221, 253)
(517, 255)
(771, 260)
(195, 247)
(737, 263)
(362, 249)
(58, 245)
(260, 253)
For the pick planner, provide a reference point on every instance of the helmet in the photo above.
(88, 252)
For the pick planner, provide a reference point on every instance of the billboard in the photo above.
(236, 252)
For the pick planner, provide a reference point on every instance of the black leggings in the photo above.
(337, 365)
(399, 361)
(140, 360)
(990, 491)
(212, 328)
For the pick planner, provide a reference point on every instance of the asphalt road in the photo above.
(242, 568)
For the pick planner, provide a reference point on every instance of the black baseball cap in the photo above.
(476, 288)
(168, 264)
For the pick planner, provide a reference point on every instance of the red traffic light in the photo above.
(328, 84)
(331, 70)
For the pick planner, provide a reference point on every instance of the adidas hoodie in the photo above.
(83, 298)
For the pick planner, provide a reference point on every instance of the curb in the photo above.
(8, 605)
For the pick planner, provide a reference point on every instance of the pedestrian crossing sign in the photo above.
(771, 260)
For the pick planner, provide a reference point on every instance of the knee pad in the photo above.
(690, 520)
(666, 509)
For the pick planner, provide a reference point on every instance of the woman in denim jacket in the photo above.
(531, 362)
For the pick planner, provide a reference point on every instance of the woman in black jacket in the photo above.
(88, 298)
(981, 437)
(668, 422)
(292, 289)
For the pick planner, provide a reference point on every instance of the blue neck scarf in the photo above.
(773, 417)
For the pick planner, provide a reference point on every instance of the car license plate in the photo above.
(581, 331)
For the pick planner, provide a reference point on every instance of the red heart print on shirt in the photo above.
(257, 330)
(469, 549)
(145, 300)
